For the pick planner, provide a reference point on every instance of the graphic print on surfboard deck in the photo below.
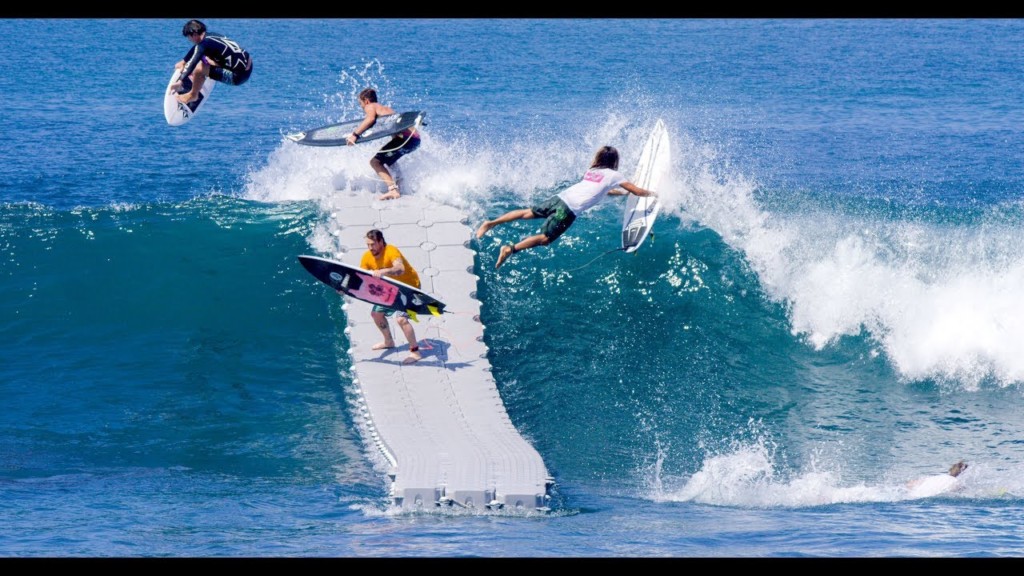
(335, 134)
(651, 174)
(177, 113)
(362, 285)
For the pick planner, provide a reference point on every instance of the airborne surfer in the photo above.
(212, 56)
(559, 211)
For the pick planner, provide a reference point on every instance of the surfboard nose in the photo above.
(339, 281)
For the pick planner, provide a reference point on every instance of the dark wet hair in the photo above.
(193, 27)
(376, 236)
(606, 157)
(957, 468)
(368, 93)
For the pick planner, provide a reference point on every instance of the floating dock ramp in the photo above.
(440, 422)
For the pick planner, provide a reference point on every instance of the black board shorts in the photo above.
(558, 217)
(228, 76)
(399, 145)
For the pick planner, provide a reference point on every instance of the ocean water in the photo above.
(831, 306)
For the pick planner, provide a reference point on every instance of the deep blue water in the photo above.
(831, 305)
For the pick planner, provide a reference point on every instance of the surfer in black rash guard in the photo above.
(213, 56)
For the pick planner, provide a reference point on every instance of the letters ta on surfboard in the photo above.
(177, 113)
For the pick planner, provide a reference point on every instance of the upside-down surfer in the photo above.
(602, 180)
(213, 56)
(399, 145)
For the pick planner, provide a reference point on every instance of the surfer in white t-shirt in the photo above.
(601, 180)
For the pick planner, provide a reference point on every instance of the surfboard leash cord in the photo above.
(596, 258)
(415, 129)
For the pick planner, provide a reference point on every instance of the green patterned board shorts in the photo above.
(558, 217)
(389, 312)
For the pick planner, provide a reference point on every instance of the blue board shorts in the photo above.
(558, 217)
(399, 145)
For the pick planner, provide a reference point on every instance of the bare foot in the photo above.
(505, 252)
(391, 194)
(383, 346)
(412, 357)
(483, 229)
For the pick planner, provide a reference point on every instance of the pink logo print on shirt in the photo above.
(593, 176)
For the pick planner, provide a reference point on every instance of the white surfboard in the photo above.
(933, 485)
(337, 134)
(177, 113)
(651, 174)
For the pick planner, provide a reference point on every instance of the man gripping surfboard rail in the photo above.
(400, 144)
(378, 121)
(382, 258)
(601, 180)
(385, 279)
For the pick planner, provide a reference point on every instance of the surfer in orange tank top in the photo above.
(383, 259)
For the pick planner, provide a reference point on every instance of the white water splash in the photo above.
(747, 477)
(941, 301)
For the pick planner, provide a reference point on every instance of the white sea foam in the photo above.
(941, 301)
(748, 477)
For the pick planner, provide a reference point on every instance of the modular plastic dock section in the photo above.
(440, 422)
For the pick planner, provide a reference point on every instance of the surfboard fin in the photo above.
(412, 315)
(433, 309)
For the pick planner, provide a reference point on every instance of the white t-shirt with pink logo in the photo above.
(594, 187)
